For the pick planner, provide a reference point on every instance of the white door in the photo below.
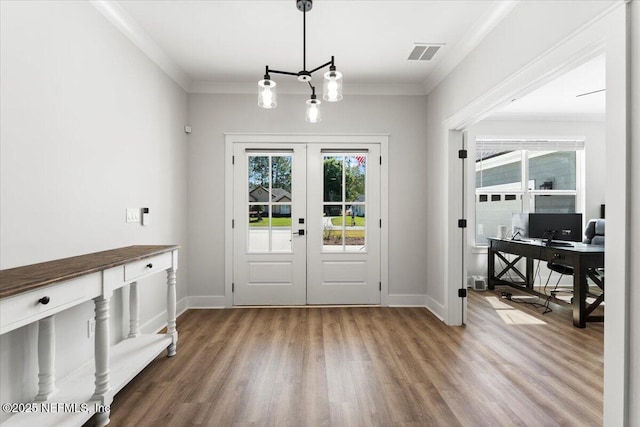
(306, 224)
(269, 263)
(343, 206)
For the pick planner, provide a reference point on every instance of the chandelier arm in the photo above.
(332, 82)
(283, 72)
(322, 66)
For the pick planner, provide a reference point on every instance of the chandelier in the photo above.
(332, 87)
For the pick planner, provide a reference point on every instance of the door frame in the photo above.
(307, 139)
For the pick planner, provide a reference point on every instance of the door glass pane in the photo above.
(258, 216)
(355, 173)
(553, 170)
(258, 229)
(281, 228)
(355, 228)
(258, 178)
(332, 227)
(493, 210)
(269, 226)
(281, 178)
(333, 165)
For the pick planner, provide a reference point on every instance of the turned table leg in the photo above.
(46, 359)
(171, 311)
(134, 321)
(102, 359)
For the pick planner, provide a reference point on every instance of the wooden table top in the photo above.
(17, 280)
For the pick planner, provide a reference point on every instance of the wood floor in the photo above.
(371, 366)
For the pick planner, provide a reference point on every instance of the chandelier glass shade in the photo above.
(313, 110)
(332, 88)
(332, 84)
(267, 95)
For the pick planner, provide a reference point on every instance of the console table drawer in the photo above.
(143, 267)
(19, 310)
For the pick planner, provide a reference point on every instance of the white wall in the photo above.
(402, 117)
(89, 127)
(595, 170)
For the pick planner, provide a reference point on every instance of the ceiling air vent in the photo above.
(424, 52)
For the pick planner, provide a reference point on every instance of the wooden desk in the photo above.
(35, 293)
(582, 257)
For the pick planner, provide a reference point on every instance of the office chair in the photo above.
(594, 235)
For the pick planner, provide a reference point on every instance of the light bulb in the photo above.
(332, 87)
(313, 111)
(313, 114)
(332, 91)
(267, 97)
(267, 94)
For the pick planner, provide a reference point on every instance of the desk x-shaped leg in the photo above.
(599, 281)
(511, 265)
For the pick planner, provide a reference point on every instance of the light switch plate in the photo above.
(133, 215)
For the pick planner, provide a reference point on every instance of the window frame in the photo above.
(529, 149)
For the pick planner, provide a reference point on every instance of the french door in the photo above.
(306, 224)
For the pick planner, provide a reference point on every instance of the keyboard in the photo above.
(560, 244)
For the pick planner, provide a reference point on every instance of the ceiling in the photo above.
(218, 46)
(578, 93)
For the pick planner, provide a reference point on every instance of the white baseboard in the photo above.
(218, 302)
(182, 306)
(158, 322)
(435, 307)
(406, 300)
(207, 302)
(155, 324)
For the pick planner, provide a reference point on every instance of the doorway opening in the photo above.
(541, 154)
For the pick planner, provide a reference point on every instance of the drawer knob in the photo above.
(149, 265)
(44, 300)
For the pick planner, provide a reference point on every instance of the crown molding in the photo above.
(469, 41)
(548, 117)
(302, 89)
(120, 19)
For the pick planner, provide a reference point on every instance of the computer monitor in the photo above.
(565, 226)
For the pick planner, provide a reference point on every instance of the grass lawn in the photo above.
(337, 221)
(337, 234)
(354, 234)
(275, 222)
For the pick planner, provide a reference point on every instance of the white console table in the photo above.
(35, 293)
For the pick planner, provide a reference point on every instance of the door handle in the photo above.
(299, 233)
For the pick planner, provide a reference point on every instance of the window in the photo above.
(269, 202)
(344, 203)
(514, 176)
